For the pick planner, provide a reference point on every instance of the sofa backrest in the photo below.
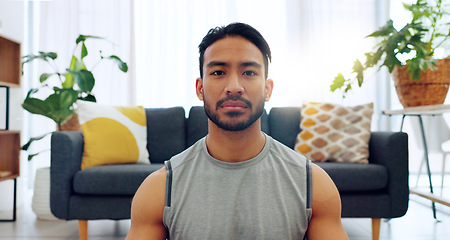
(197, 124)
(169, 132)
(284, 124)
(166, 132)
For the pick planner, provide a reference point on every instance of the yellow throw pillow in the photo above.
(330, 132)
(112, 135)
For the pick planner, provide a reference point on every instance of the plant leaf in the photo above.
(358, 69)
(89, 97)
(84, 79)
(348, 88)
(390, 61)
(413, 68)
(69, 82)
(84, 51)
(73, 63)
(45, 56)
(82, 38)
(31, 91)
(67, 98)
(36, 106)
(338, 82)
(76, 65)
(372, 59)
(60, 105)
(27, 145)
(57, 106)
(51, 55)
(44, 77)
(385, 30)
(121, 64)
(31, 156)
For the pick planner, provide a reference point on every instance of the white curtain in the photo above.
(54, 27)
(311, 41)
(62, 21)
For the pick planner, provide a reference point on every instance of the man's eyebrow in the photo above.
(243, 64)
(216, 63)
(251, 64)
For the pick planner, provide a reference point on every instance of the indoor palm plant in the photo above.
(75, 82)
(416, 42)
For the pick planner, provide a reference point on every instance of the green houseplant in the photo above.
(74, 83)
(416, 42)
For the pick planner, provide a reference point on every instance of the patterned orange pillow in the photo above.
(330, 132)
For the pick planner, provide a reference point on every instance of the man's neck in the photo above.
(237, 146)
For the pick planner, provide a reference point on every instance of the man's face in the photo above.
(233, 87)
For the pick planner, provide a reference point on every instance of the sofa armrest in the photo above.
(66, 153)
(390, 149)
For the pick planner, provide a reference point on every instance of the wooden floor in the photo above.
(417, 224)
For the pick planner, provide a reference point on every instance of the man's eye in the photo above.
(249, 73)
(218, 73)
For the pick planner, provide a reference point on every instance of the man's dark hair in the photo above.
(236, 29)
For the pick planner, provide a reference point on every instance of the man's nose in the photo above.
(234, 85)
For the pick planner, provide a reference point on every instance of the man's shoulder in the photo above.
(285, 153)
(188, 154)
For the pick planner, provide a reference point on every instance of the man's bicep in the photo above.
(149, 232)
(326, 208)
(147, 209)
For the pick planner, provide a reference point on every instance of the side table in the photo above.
(430, 110)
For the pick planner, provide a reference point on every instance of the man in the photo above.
(237, 182)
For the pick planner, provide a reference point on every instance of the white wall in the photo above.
(12, 26)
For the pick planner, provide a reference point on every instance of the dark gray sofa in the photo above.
(375, 190)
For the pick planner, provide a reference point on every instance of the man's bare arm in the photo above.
(148, 207)
(326, 208)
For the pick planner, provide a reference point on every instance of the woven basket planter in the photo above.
(430, 89)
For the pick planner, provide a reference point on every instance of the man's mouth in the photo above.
(234, 104)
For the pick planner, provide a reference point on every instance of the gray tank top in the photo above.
(267, 197)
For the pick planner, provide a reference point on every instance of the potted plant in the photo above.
(75, 82)
(416, 42)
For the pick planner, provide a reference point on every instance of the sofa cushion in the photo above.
(120, 179)
(350, 177)
(331, 132)
(112, 135)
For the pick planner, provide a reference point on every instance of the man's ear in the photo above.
(269, 89)
(199, 88)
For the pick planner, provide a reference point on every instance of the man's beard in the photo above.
(233, 125)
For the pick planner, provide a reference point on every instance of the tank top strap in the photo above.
(168, 195)
(308, 184)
